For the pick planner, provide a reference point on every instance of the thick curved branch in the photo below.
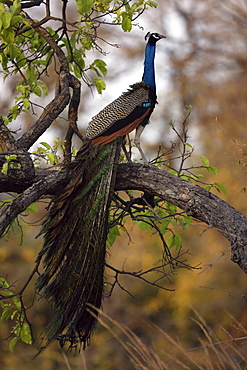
(195, 200)
(43, 32)
(10, 211)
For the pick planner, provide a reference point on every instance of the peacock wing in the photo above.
(120, 113)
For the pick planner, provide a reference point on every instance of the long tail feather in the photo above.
(75, 233)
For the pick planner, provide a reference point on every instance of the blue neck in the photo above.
(149, 74)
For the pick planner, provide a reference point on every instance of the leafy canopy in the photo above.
(25, 51)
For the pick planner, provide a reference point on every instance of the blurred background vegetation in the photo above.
(202, 63)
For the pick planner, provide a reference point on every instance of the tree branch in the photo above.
(10, 211)
(75, 84)
(57, 105)
(196, 201)
(51, 112)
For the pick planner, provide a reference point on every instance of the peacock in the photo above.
(76, 226)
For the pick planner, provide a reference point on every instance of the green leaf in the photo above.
(11, 157)
(15, 19)
(144, 225)
(22, 60)
(126, 22)
(77, 71)
(26, 103)
(86, 43)
(30, 74)
(6, 313)
(2, 9)
(51, 158)
(25, 334)
(173, 172)
(152, 4)
(3, 282)
(14, 313)
(14, 111)
(16, 7)
(164, 226)
(99, 84)
(80, 61)
(32, 207)
(170, 242)
(220, 188)
(213, 170)
(44, 87)
(46, 145)
(6, 19)
(5, 292)
(184, 177)
(8, 35)
(204, 161)
(5, 168)
(186, 221)
(12, 344)
(14, 51)
(111, 237)
(174, 240)
(189, 145)
(178, 240)
(101, 65)
(37, 91)
(171, 208)
(84, 6)
(208, 187)
(17, 304)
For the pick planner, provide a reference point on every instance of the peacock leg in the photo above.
(137, 142)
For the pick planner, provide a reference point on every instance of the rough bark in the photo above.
(195, 200)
